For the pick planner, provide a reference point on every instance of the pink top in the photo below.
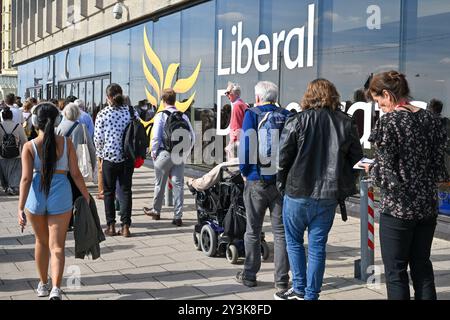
(237, 117)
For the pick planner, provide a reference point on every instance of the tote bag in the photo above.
(84, 159)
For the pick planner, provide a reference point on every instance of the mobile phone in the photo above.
(24, 217)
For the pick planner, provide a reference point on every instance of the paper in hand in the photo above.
(362, 162)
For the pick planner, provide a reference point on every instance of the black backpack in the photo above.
(135, 140)
(9, 148)
(174, 122)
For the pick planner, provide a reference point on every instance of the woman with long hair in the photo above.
(46, 196)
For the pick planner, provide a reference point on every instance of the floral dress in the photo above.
(409, 162)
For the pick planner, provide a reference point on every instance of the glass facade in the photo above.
(289, 42)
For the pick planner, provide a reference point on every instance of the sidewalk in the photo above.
(160, 262)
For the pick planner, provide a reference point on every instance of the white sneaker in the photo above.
(56, 294)
(43, 290)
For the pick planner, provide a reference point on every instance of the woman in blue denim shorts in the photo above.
(46, 195)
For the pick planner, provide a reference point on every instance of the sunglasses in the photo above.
(227, 93)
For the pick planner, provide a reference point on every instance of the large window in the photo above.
(288, 42)
(87, 59)
(137, 79)
(354, 43)
(427, 50)
(238, 16)
(292, 63)
(103, 55)
(73, 62)
(197, 44)
(120, 60)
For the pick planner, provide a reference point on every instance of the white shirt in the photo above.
(158, 127)
(17, 114)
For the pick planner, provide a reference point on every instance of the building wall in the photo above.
(46, 25)
(6, 65)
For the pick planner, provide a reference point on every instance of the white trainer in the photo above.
(43, 290)
(56, 294)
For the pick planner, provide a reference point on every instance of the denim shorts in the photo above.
(58, 201)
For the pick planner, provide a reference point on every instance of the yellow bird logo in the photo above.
(165, 81)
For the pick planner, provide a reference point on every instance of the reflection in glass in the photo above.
(274, 20)
(137, 79)
(106, 83)
(97, 96)
(82, 90)
(120, 59)
(351, 45)
(87, 59)
(89, 98)
(427, 50)
(197, 45)
(103, 55)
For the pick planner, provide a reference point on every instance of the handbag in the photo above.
(84, 159)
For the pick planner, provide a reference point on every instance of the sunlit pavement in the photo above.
(159, 261)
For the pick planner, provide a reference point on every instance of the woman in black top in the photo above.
(409, 164)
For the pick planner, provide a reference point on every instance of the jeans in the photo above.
(316, 215)
(258, 197)
(163, 168)
(124, 174)
(407, 242)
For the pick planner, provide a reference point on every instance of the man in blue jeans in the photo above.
(318, 150)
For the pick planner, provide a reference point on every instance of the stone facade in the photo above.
(42, 26)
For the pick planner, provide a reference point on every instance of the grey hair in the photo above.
(235, 88)
(72, 112)
(266, 91)
(80, 104)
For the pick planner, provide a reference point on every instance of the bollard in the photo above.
(169, 193)
(363, 266)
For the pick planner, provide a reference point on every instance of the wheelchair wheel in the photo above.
(232, 254)
(197, 245)
(264, 251)
(208, 240)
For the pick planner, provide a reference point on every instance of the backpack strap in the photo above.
(13, 129)
(256, 110)
(131, 110)
(1, 126)
(69, 133)
(167, 112)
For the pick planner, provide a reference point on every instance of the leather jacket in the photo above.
(318, 149)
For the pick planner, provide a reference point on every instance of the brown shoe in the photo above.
(152, 213)
(111, 230)
(125, 231)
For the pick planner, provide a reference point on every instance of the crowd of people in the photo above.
(313, 173)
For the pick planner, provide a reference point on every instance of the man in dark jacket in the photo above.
(318, 150)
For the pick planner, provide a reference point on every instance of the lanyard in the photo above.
(403, 105)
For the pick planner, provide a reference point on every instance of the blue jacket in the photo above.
(86, 119)
(248, 170)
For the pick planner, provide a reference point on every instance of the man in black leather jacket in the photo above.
(318, 150)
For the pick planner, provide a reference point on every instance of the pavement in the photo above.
(159, 261)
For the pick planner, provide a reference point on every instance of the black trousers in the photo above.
(111, 173)
(406, 243)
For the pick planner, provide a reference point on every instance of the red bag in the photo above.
(138, 162)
